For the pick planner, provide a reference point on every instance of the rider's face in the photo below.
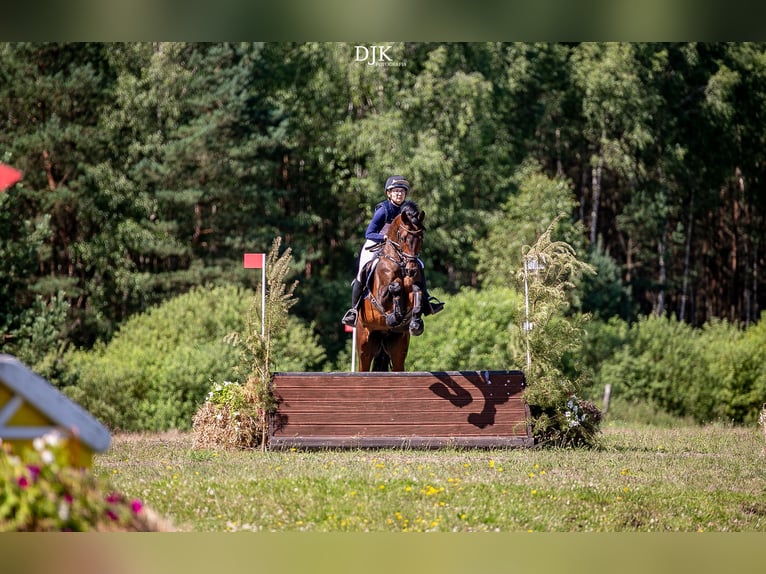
(397, 195)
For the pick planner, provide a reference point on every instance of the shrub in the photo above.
(711, 373)
(560, 416)
(603, 293)
(736, 360)
(157, 370)
(40, 339)
(658, 363)
(475, 333)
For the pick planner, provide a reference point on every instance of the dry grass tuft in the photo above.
(218, 426)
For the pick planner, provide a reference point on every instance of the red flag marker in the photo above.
(258, 261)
(254, 260)
(8, 176)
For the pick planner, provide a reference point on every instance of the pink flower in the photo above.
(22, 481)
(111, 514)
(34, 471)
(136, 506)
(114, 497)
(68, 498)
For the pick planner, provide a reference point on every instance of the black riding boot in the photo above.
(356, 295)
(431, 305)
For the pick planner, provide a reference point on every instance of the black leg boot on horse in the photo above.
(357, 289)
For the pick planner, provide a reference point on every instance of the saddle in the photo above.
(368, 274)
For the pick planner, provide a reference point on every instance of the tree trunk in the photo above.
(687, 252)
(662, 243)
(596, 182)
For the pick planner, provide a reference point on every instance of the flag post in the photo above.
(263, 300)
(352, 330)
(353, 351)
(255, 261)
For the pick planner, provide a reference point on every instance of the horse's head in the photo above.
(406, 233)
(406, 230)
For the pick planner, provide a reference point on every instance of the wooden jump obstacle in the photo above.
(400, 410)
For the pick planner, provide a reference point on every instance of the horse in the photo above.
(392, 310)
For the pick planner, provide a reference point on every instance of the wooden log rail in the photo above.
(400, 410)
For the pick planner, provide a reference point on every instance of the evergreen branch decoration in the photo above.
(560, 417)
(558, 270)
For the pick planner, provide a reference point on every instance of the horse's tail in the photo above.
(381, 362)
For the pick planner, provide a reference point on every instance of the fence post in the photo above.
(607, 397)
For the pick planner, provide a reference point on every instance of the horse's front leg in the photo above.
(416, 323)
(395, 317)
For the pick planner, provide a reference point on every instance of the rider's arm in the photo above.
(376, 224)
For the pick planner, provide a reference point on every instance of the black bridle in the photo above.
(407, 262)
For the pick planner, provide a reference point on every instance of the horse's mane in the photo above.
(410, 208)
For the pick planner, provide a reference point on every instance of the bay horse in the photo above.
(392, 310)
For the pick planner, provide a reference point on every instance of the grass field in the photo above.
(640, 479)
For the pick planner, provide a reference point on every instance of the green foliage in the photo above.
(477, 330)
(227, 419)
(601, 340)
(603, 293)
(41, 492)
(157, 370)
(526, 214)
(150, 167)
(40, 340)
(21, 242)
(255, 343)
(709, 374)
(227, 393)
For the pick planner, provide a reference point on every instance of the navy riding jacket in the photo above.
(385, 212)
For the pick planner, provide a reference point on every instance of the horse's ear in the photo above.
(405, 217)
(422, 216)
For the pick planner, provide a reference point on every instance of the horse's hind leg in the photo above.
(381, 362)
(365, 347)
(364, 363)
(397, 350)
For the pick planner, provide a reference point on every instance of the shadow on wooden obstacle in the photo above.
(448, 388)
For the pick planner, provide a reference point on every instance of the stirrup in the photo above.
(349, 318)
(435, 305)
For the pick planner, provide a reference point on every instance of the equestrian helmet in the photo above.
(397, 181)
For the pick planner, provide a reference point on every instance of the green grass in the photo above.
(640, 478)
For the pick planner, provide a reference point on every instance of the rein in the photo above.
(404, 257)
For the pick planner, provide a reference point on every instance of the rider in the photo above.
(385, 212)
